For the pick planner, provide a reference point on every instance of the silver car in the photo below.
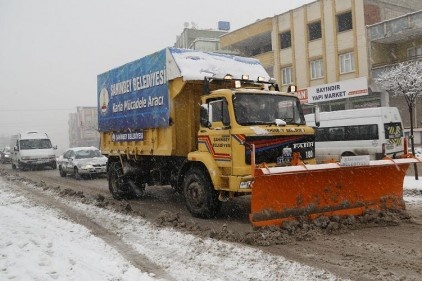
(5, 155)
(82, 162)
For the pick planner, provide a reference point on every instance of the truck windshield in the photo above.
(251, 108)
(35, 144)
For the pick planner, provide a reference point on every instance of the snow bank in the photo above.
(37, 244)
(40, 244)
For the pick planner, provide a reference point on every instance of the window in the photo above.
(347, 63)
(286, 74)
(88, 153)
(414, 52)
(285, 40)
(35, 144)
(314, 30)
(333, 105)
(218, 111)
(317, 69)
(393, 130)
(252, 108)
(347, 133)
(67, 154)
(344, 22)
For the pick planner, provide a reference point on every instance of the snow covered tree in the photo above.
(404, 79)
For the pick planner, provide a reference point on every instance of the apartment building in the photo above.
(83, 127)
(201, 39)
(392, 42)
(322, 47)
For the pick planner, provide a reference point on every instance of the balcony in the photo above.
(250, 40)
(400, 29)
(377, 69)
(266, 59)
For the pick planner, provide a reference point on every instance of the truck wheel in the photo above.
(200, 197)
(116, 183)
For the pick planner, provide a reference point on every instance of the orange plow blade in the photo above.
(285, 193)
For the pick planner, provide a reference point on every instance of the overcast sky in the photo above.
(51, 51)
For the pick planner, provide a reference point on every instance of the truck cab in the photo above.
(236, 120)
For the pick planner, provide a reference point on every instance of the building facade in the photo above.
(207, 40)
(321, 44)
(395, 41)
(83, 127)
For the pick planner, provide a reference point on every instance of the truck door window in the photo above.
(218, 112)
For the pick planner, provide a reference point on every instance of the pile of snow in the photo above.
(37, 244)
(411, 184)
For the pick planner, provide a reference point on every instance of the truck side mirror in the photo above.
(15, 148)
(54, 146)
(204, 117)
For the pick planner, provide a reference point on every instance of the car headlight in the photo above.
(25, 157)
(86, 167)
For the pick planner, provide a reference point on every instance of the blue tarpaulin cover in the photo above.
(135, 96)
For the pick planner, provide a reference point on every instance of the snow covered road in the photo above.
(40, 243)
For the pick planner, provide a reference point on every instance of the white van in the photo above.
(376, 132)
(31, 150)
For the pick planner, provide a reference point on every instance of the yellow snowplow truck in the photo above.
(198, 121)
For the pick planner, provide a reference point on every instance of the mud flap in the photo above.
(285, 193)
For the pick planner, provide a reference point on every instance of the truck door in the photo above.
(214, 136)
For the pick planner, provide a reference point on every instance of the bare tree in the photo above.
(404, 79)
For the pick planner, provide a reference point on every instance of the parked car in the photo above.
(5, 155)
(82, 162)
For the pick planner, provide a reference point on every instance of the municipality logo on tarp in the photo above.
(104, 99)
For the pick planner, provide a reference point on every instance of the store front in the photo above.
(347, 94)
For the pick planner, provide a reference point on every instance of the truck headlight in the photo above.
(245, 184)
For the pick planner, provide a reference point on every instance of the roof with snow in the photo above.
(195, 65)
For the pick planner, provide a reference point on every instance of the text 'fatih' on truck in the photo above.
(177, 118)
